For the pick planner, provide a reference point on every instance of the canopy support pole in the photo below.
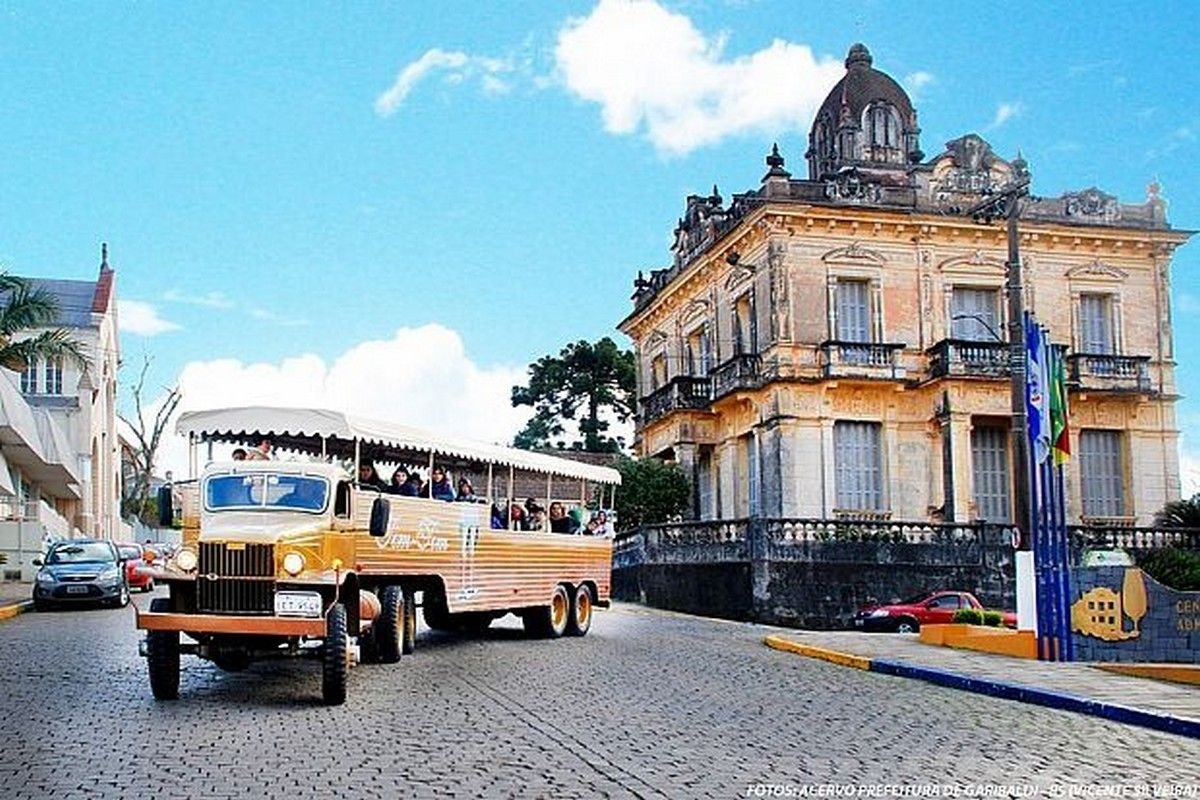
(323, 448)
(508, 500)
(357, 457)
(490, 497)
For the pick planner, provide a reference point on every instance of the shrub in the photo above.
(1173, 567)
(992, 618)
(968, 616)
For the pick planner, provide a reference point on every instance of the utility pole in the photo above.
(1005, 203)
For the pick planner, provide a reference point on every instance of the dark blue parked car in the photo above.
(81, 571)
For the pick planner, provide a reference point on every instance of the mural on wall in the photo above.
(1101, 612)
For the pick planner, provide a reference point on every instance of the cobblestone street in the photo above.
(647, 705)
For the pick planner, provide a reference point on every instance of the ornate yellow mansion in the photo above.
(835, 346)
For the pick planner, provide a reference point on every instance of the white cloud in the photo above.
(914, 82)
(651, 70)
(270, 316)
(208, 299)
(142, 319)
(457, 67)
(1005, 112)
(421, 377)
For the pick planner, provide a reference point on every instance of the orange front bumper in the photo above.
(225, 623)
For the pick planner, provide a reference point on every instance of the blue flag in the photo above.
(1037, 406)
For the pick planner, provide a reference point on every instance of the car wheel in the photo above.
(335, 660)
(389, 625)
(162, 657)
(907, 626)
(41, 605)
(580, 619)
(123, 597)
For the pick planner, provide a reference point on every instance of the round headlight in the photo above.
(293, 563)
(185, 559)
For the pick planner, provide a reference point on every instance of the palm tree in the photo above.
(24, 308)
(1180, 514)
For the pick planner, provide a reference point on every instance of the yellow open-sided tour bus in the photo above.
(289, 554)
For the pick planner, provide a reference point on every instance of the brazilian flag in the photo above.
(1059, 428)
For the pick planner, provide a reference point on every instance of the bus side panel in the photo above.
(482, 569)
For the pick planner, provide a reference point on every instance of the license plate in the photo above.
(298, 604)
(77, 590)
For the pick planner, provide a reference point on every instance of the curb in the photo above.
(1007, 691)
(12, 610)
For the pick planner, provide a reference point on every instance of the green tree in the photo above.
(651, 491)
(25, 309)
(1180, 514)
(580, 382)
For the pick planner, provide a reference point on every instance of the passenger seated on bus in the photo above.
(260, 453)
(439, 485)
(560, 522)
(499, 521)
(593, 527)
(412, 486)
(603, 528)
(399, 478)
(466, 492)
(239, 454)
(537, 520)
(517, 520)
(368, 476)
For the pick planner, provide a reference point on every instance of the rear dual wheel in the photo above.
(580, 620)
(550, 622)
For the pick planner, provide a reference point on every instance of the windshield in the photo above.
(130, 551)
(80, 552)
(258, 491)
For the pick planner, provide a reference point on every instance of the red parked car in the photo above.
(136, 557)
(924, 609)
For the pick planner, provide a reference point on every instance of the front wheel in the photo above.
(907, 626)
(162, 657)
(580, 620)
(122, 598)
(335, 662)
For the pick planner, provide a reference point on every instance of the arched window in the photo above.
(882, 128)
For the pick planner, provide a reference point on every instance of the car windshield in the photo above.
(80, 552)
(130, 551)
(266, 491)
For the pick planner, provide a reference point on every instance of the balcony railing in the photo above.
(743, 371)
(681, 393)
(951, 358)
(1099, 372)
(860, 360)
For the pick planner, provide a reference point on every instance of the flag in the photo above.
(1036, 406)
(1060, 434)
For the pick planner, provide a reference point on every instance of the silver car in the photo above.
(80, 571)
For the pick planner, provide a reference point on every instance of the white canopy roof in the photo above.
(304, 429)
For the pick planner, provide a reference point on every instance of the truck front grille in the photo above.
(237, 579)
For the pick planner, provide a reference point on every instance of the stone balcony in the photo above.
(959, 358)
(683, 392)
(741, 372)
(1109, 373)
(861, 360)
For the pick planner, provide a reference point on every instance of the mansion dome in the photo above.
(867, 121)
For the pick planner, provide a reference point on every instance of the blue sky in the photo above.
(397, 209)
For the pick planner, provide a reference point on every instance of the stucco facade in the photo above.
(831, 346)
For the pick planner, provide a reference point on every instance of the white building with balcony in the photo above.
(59, 452)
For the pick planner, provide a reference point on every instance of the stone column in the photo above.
(685, 457)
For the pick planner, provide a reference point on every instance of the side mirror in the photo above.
(37, 562)
(166, 507)
(381, 514)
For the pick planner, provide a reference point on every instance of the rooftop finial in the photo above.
(775, 162)
(859, 55)
(104, 255)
